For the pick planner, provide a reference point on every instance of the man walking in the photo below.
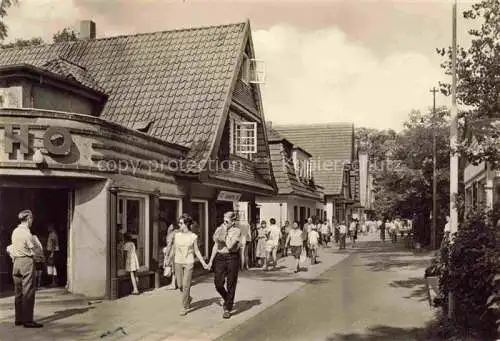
(272, 244)
(226, 260)
(23, 272)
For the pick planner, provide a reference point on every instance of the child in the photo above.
(132, 263)
(313, 241)
(167, 251)
(295, 240)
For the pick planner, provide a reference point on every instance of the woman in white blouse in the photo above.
(185, 247)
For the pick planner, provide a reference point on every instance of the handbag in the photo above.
(167, 271)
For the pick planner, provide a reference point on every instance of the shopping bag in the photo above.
(303, 257)
(167, 271)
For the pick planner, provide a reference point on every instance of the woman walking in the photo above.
(294, 240)
(168, 266)
(185, 247)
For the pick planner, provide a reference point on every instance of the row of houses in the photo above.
(121, 135)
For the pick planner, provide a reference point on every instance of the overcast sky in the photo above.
(368, 62)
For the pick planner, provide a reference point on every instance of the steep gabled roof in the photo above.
(284, 170)
(332, 146)
(179, 81)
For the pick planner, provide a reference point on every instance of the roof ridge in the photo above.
(185, 29)
(350, 124)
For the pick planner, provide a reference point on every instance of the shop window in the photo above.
(200, 226)
(308, 212)
(295, 214)
(169, 214)
(132, 220)
(11, 97)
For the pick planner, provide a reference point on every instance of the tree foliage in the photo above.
(402, 167)
(4, 6)
(478, 83)
(66, 34)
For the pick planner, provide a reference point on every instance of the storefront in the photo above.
(89, 193)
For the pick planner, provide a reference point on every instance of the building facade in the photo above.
(121, 135)
(298, 197)
(482, 186)
(332, 147)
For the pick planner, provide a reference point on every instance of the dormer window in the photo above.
(253, 71)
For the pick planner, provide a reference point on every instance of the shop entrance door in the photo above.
(49, 206)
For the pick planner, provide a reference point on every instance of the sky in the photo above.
(363, 61)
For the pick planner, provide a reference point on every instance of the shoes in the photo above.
(136, 293)
(32, 325)
(226, 314)
(183, 312)
(190, 299)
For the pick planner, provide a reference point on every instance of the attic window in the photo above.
(253, 71)
(243, 138)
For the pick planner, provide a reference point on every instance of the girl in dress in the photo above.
(185, 247)
(167, 252)
(132, 262)
(260, 250)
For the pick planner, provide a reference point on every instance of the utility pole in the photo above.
(453, 144)
(434, 173)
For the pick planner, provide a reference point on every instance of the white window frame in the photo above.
(132, 195)
(233, 143)
(179, 203)
(207, 236)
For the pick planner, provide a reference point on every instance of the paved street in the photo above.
(376, 294)
(373, 292)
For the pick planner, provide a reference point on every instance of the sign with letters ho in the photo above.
(57, 140)
(228, 196)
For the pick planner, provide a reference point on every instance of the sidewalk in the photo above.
(154, 315)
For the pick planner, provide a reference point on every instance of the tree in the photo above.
(478, 84)
(4, 6)
(24, 43)
(403, 172)
(66, 34)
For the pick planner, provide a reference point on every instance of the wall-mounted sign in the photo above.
(57, 140)
(228, 196)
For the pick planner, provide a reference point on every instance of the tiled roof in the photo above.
(179, 80)
(67, 69)
(331, 146)
(284, 171)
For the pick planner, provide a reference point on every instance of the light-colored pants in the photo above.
(183, 274)
(23, 274)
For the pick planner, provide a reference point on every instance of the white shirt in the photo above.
(274, 234)
(184, 247)
(22, 242)
(342, 229)
(313, 237)
(325, 229)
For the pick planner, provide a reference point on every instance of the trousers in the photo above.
(23, 275)
(184, 273)
(226, 267)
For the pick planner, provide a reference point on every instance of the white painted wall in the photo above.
(271, 209)
(88, 241)
(329, 211)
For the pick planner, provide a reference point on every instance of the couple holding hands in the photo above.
(224, 258)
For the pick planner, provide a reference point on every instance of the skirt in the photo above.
(260, 250)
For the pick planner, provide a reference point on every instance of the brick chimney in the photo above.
(87, 29)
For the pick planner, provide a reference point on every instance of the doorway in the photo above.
(49, 206)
